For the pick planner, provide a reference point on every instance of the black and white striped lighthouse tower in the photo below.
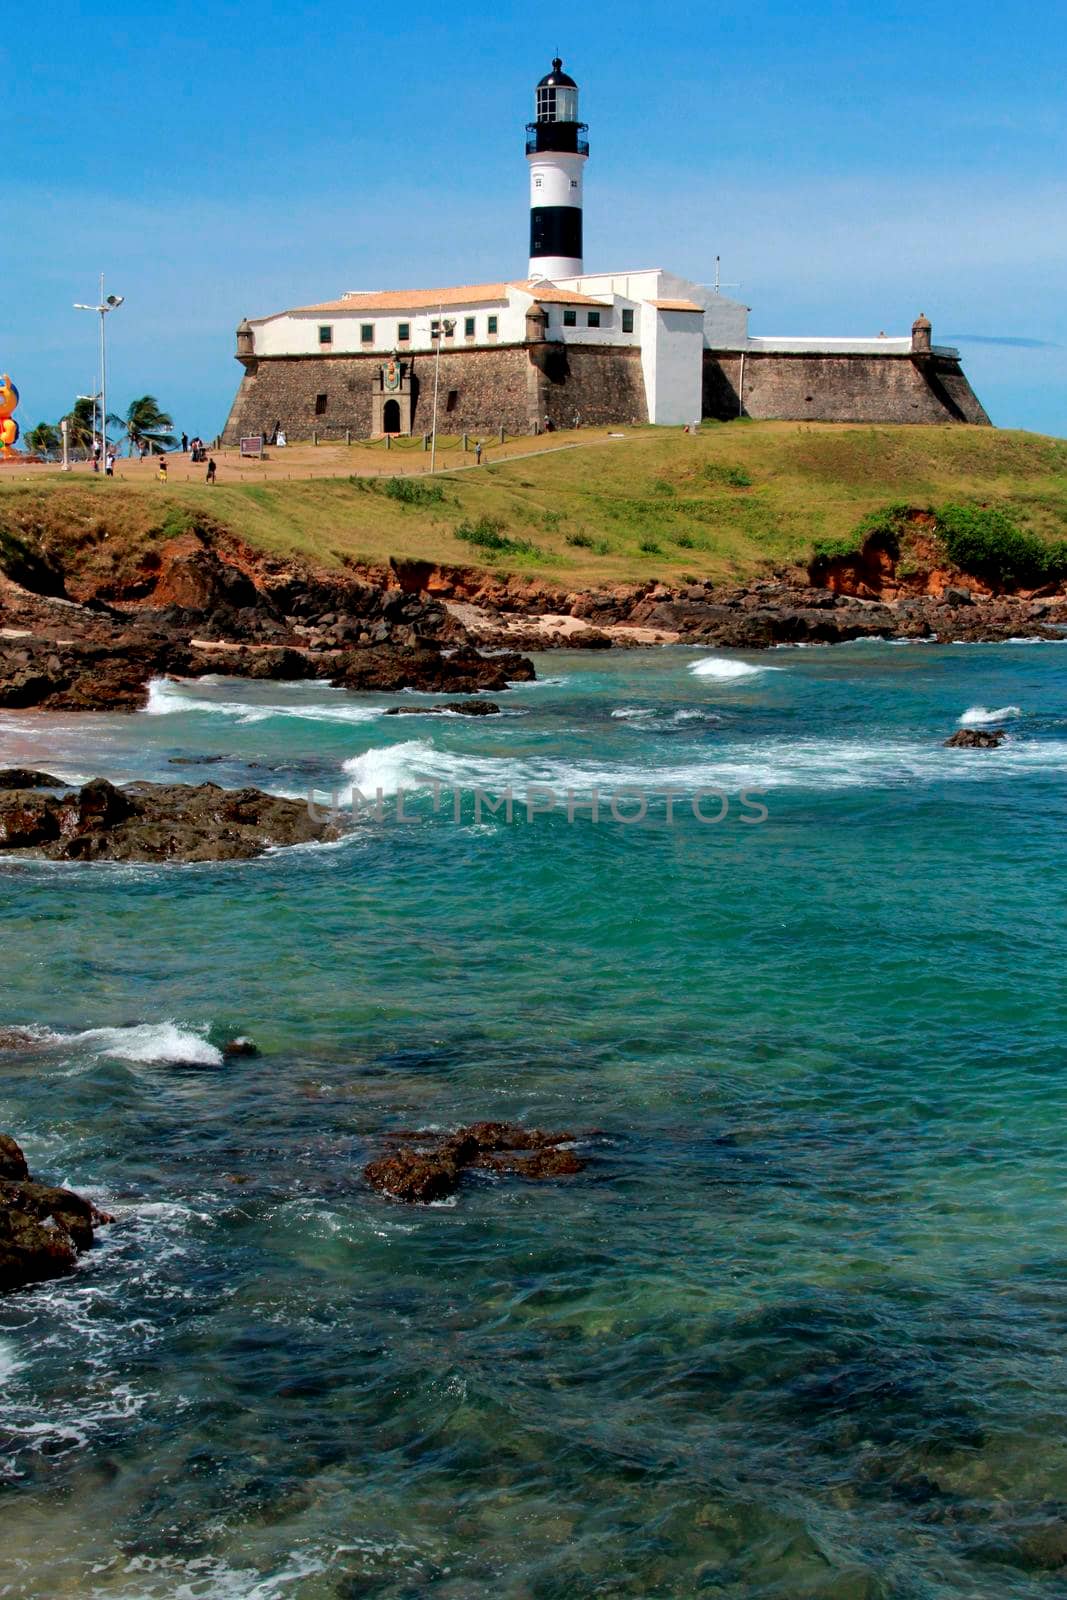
(557, 150)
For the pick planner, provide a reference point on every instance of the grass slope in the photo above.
(726, 503)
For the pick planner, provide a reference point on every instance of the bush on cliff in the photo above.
(986, 543)
(883, 528)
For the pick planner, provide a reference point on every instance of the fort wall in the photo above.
(838, 388)
(520, 386)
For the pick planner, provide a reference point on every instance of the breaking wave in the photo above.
(725, 669)
(166, 700)
(975, 716)
(139, 1041)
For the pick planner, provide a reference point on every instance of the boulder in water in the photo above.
(42, 1229)
(156, 822)
(976, 739)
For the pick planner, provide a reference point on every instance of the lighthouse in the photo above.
(556, 151)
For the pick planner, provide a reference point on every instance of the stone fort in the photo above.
(562, 347)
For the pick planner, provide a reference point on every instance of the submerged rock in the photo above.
(428, 1165)
(149, 822)
(42, 1229)
(240, 1047)
(460, 708)
(976, 739)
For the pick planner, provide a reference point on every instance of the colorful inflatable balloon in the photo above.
(9, 428)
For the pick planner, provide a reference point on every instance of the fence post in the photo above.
(314, 437)
(464, 444)
(348, 436)
(501, 433)
(425, 441)
(388, 441)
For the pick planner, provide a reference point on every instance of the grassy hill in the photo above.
(727, 502)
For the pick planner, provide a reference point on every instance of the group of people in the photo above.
(195, 448)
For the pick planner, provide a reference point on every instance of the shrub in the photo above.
(583, 541)
(411, 492)
(486, 535)
(736, 477)
(649, 547)
(662, 486)
(685, 541)
(986, 543)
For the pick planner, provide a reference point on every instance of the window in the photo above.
(491, 325)
(468, 327)
(537, 183)
(403, 332)
(627, 322)
(574, 183)
(366, 333)
(325, 334)
(453, 400)
(570, 317)
(320, 405)
(594, 319)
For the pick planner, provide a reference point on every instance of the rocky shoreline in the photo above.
(81, 637)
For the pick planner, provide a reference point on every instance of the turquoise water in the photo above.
(797, 1331)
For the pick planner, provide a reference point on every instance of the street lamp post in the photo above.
(438, 329)
(112, 303)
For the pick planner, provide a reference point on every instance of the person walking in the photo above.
(477, 452)
(109, 466)
(185, 444)
(210, 476)
(162, 473)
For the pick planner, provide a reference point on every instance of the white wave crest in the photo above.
(140, 1041)
(725, 669)
(633, 713)
(975, 716)
(164, 699)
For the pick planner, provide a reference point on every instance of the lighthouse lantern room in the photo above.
(557, 151)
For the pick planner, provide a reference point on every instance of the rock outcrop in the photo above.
(426, 1165)
(153, 822)
(27, 778)
(42, 1229)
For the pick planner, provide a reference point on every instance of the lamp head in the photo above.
(114, 300)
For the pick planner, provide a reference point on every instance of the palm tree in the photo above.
(147, 426)
(82, 422)
(43, 440)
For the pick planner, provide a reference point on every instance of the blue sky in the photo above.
(217, 161)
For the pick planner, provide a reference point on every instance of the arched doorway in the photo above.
(391, 417)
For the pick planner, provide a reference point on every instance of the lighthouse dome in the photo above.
(557, 78)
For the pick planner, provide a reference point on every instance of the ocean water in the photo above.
(799, 1328)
